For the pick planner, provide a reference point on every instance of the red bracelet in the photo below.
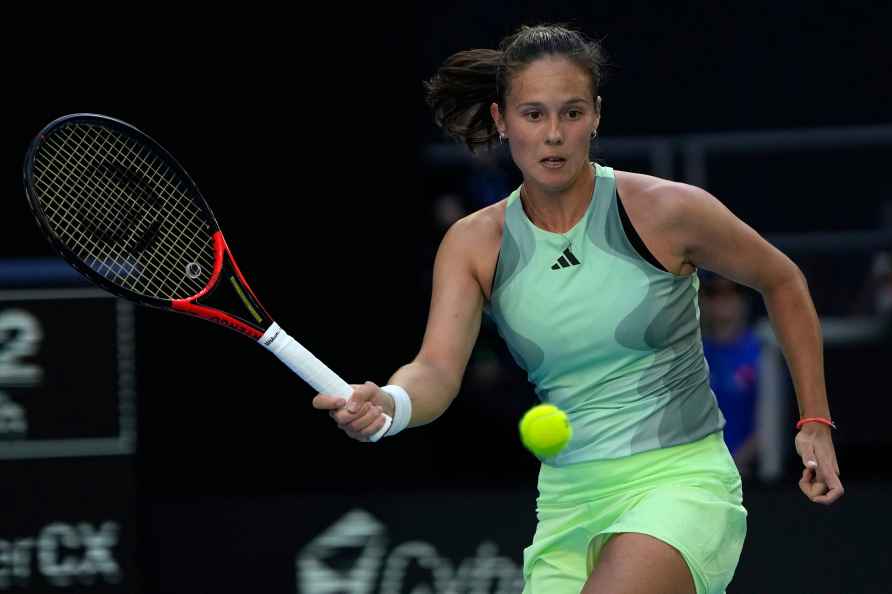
(822, 420)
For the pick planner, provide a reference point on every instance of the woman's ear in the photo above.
(498, 119)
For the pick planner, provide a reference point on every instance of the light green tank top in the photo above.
(602, 333)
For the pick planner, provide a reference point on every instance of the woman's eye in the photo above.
(533, 115)
(574, 114)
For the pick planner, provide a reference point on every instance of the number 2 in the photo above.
(20, 337)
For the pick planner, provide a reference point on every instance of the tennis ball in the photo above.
(545, 430)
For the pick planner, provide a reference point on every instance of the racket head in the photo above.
(121, 210)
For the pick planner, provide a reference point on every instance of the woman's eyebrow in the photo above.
(540, 104)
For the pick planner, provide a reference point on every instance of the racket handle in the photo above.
(310, 369)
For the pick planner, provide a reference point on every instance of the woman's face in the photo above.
(548, 119)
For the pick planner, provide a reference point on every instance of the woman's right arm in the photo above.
(433, 378)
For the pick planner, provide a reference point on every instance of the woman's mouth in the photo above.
(553, 162)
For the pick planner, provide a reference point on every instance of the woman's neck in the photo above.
(559, 211)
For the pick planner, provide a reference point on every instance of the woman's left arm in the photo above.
(711, 237)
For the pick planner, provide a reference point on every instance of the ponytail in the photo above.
(460, 94)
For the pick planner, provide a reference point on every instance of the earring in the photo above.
(501, 138)
(594, 133)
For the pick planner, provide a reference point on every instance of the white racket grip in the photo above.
(310, 369)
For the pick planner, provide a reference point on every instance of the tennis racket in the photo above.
(121, 210)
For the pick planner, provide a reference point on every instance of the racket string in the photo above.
(124, 211)
(147, 282)
(194, 220)
(99, 256)
(102, 206)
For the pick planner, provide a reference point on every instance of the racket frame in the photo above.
(222, 255)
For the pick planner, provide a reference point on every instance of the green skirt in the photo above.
(688, 496)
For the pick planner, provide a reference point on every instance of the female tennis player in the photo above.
(591, 277)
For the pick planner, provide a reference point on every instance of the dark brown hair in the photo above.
(468, 82)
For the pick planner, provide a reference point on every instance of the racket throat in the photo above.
(228, 300)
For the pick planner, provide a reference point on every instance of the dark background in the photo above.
(306, 132)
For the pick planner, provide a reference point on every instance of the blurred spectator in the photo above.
(732, 351)
(448, 208)
(487, 183)
(876, 294)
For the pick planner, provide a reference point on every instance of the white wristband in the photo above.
(402, 409)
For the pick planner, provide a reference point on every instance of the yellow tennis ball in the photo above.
(545, 430)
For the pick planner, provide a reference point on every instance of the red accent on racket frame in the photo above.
(211, 314)
(241, 278)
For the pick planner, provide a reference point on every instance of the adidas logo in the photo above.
(565, 261)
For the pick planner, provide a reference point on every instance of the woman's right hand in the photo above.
(360, 416)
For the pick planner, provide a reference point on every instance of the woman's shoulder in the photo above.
(648, 187)
(481, 226)
(653, 196)
(475, 241)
